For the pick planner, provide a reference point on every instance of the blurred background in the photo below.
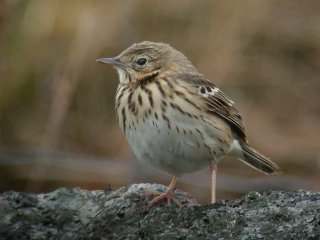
(58, 126)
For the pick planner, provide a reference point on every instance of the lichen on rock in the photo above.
(123, 214)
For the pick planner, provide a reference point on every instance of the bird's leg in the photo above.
(213, 170)
(168, 194)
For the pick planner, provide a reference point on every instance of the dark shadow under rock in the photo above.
(123, 214)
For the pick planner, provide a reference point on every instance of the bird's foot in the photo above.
(159, 196)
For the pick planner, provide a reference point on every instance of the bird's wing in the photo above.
(215, 101)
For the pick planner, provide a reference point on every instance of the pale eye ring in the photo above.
(142, 61)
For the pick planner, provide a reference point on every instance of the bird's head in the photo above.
(146, 60)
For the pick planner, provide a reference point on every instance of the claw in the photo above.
(167, 195)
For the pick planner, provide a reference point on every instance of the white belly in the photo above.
(179, 149)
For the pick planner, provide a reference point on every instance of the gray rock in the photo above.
(123, 214)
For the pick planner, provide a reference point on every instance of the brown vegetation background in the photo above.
(57, 120)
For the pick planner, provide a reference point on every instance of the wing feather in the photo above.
(216, 102)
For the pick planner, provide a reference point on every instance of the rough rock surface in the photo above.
(122, 214)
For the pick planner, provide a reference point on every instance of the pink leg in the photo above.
(213, 170)
(168, 194)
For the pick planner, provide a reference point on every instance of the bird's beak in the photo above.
(113, 61)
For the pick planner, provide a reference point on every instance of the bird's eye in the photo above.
(141, 61)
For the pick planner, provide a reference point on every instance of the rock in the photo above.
(123, 214)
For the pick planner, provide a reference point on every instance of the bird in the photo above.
(175, 119)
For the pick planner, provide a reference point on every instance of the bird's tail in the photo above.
(257, 160)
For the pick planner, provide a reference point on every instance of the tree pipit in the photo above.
(175, 118)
